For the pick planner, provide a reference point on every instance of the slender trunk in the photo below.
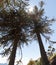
(42, 51)
(13, 53)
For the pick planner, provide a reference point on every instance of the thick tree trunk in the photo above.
(13, 53)
(42, 51)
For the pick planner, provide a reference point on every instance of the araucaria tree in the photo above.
(40, 26)
(12, 28)
(16, 24)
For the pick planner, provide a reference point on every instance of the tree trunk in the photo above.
(42, 51)
(13, 53)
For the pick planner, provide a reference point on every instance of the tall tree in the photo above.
(12, 29)
(41, 26)
(14, 25)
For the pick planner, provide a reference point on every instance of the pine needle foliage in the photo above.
(13, 23)
(41, 23)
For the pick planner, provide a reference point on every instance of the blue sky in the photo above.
(32, 50)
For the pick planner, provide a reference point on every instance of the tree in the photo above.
(41, 26)
(51, 51)
(53, 60)
(12, 29)
(31, 62)
(15, 26)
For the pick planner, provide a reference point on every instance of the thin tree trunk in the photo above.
(13, 53)
(42, 51)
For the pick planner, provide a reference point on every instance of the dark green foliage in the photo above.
(13, 23)
(16, 25)
(41, 26)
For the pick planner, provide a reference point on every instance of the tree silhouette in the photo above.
(16, 25)
(12, 29)
(41, 26)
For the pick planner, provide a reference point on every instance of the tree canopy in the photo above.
(17, 26)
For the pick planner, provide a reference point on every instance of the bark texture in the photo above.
(13, 53)
(42, 51)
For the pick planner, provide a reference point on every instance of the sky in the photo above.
(32, 50)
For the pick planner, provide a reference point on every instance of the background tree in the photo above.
(51, 51)
(31, 62)
(41, 26)
(16, 24)
(52, 60)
